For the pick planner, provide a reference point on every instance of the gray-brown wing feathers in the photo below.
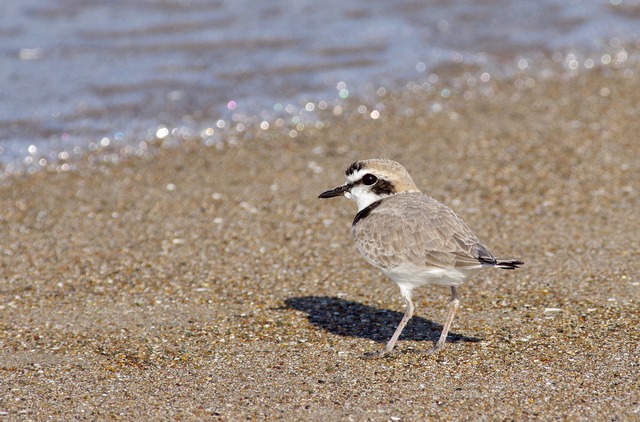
(415, 228)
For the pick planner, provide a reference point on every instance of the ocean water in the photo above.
(79, 76)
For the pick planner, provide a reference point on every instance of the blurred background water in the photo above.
(79, 75)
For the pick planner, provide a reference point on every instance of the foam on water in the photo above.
(115, 79)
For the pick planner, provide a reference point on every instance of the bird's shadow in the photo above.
(352, 319)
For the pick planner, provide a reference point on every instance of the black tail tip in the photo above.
(510, 264)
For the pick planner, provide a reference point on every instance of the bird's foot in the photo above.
(377, 354)
(432, 351)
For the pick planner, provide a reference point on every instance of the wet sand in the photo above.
(207, 282)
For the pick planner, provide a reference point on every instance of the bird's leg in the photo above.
(408, 313)
(454, 302)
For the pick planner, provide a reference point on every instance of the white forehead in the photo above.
(387, 170)
(377, 166)
(357, 175)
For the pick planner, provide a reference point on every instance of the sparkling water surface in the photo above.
(78, 76)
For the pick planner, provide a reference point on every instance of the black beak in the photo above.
(339, 191)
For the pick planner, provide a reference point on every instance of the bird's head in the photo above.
(371, 180)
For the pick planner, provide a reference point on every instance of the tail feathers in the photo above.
(510, 264)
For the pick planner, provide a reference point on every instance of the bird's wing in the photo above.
(417, 229)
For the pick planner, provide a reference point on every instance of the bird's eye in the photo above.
(369, 179)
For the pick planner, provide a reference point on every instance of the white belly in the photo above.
(408, 276)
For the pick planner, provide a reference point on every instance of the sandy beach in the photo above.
(211, 283)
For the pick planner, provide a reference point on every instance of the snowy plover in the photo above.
(414, 239)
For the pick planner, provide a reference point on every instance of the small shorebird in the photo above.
(414, 239)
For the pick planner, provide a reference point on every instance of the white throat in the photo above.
(363, 196)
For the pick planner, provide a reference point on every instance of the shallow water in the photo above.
(79, 76)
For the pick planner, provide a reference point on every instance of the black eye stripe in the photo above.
(384, 187)
(379, 186)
